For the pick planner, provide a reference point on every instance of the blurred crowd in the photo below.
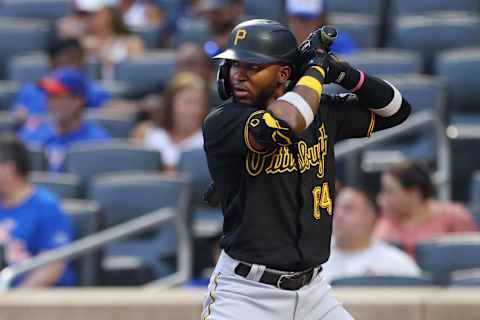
(140, 71)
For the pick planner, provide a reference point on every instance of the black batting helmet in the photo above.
(256, 41)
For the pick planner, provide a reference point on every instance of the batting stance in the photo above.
(270, 153)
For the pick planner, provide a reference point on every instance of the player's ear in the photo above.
(285, 72)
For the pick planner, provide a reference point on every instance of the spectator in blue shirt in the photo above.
(66, 89)
(31, 220)
(32, 100)
(305, 16)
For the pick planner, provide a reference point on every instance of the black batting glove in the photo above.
(341, 73)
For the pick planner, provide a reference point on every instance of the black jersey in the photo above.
(278, 204)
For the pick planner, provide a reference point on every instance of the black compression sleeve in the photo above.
(389, 122)
(375, 93)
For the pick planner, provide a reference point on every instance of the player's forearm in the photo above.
(45, 276)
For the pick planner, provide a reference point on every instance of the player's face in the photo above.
(254, 84)
(353, 217)
(393, 198)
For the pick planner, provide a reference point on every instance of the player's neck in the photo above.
(19, 190)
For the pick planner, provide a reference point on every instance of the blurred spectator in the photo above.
(410, 214)
(355, 252)
(75, 25)
(32, 100)
(66, 89)
(140, 13)
(31, 220)
(191, 58)
(305, 16)
(222, 16)
(180, 128)
(110, 40)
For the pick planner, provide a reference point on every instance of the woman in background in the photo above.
(179, 129)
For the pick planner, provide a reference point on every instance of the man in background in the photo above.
(355, 252)
(31, 220)
(65, 125)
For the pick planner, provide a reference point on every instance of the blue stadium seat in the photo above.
(364, 7)
(381, 281)
(64, 185)
(464, 139)
(29, 35)
(272, 9)
(7, 122)
(27, 68)
(194, 164)
(386, 61)
(191, 30)
(38, 159)
(117, 126)
(434, 32)
(150, 36)
(8, 90)
(362, 28)
(124, 196)
(117, 89)
(402, 7)
(458, 68)
(42, 9)
(475, 197)
(466, 278)
(85, 217)
(153, 69)
(446, 254)
(90, 159)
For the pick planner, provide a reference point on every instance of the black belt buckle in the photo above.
(292, 281)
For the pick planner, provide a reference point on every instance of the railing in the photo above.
(90, 243)
(415, 122)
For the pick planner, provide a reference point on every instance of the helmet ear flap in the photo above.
(223, 80)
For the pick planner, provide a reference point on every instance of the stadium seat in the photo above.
(124, 196)
(364, 7)
(194, 164)
(8, 90)
(458, 68)
(272, 9)
(382, 281)
(64, 185)
(146, 72)
(475, 197)
(27, 68)
(446, 254)
(434, 32)
(38, 160)
(149, 35)
(90, 159)
(362, 28)
(402, 7)
(85, 218)
(7, 122)
(116, 126)
(117, 89)
(466, 278)
(29, 35)
(42, 9)
(386, 61)
(191, 30)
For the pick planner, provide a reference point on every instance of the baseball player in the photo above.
(270, 154)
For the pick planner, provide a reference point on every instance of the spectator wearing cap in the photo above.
(305, 16)
(355, 251)
(31, 220)
(66, 89)
(137, 14)
(222, 16)
(31, 101)
(75, 24)
(410, 213)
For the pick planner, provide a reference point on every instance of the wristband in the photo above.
(313, 79)
(360, 81)
(300, 104)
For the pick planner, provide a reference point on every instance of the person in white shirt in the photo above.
(185, 105)
(355, 252)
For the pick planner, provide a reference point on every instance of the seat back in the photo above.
(85, 217)
(64, 185)
(42, 9)
(28, 68)
(91, 159)
(402, 7)
(362, 28)
(194, 163)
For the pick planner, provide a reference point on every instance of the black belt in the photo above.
(286, 281)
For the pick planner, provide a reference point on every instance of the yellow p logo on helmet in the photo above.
(240, 35)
